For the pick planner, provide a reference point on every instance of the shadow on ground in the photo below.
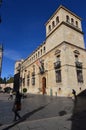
(79, 114)
(82, 93)
(27, 115)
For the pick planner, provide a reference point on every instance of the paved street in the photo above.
(44, 113)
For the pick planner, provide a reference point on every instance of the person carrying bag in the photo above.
(17, 106)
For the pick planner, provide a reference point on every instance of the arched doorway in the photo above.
(43, 85)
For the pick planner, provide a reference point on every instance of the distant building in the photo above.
(3, 86)
(1, 56)
(58, 65)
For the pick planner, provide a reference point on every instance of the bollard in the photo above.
(51, 92)
(56, 94)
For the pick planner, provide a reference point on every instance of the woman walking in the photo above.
(17, 106)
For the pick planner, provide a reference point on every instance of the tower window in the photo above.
(57, 20)
(44, 49)
(38, 53)
(41, 51)
(67, 19)
(53, 24)
(49, 28)
(72, 21)
(76, 24)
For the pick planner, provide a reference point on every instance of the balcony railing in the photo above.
(78, 64)
(33, 73)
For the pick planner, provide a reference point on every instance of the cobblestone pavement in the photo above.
(41, 112)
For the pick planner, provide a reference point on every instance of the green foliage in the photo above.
(24, 90)
(10, 80)
(4, 81)
(0, 88)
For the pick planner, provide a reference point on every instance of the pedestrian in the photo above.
(11, 95)
(17, 106)
(74, 94)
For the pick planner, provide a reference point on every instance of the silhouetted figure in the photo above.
(74, 94)
(17, 106)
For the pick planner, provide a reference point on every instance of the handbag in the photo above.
(16, 107)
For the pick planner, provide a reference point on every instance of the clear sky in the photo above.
(23, 27)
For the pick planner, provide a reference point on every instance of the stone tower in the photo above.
(64, 32)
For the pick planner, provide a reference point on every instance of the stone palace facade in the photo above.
(58, 65)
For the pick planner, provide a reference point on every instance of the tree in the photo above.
(0, 80)
(24, 90)
(4, 80)
(10, 80)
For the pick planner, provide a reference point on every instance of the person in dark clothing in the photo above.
(17, 106)
(74, 93)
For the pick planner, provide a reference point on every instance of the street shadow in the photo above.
(82, 93)
(78, 117)
(27, 115)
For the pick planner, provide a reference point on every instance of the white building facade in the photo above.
(58, 65)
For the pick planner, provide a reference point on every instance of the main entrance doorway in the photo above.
(43, 85)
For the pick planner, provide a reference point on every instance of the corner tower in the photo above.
(64, 35)
(64, 26)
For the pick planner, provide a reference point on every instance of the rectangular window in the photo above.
(79, 75)
(23, 81)
(33, 80)
(58, 76)
(28, 82)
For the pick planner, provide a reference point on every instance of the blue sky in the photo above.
(23, 27)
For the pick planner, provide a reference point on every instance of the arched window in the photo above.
(76, 23)
(38, 53)
(49, 28)
(72, 21)
(53, 24)
(34, 57)
(41, 51)
(57, 19)
(67, 18)
(44, 49)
